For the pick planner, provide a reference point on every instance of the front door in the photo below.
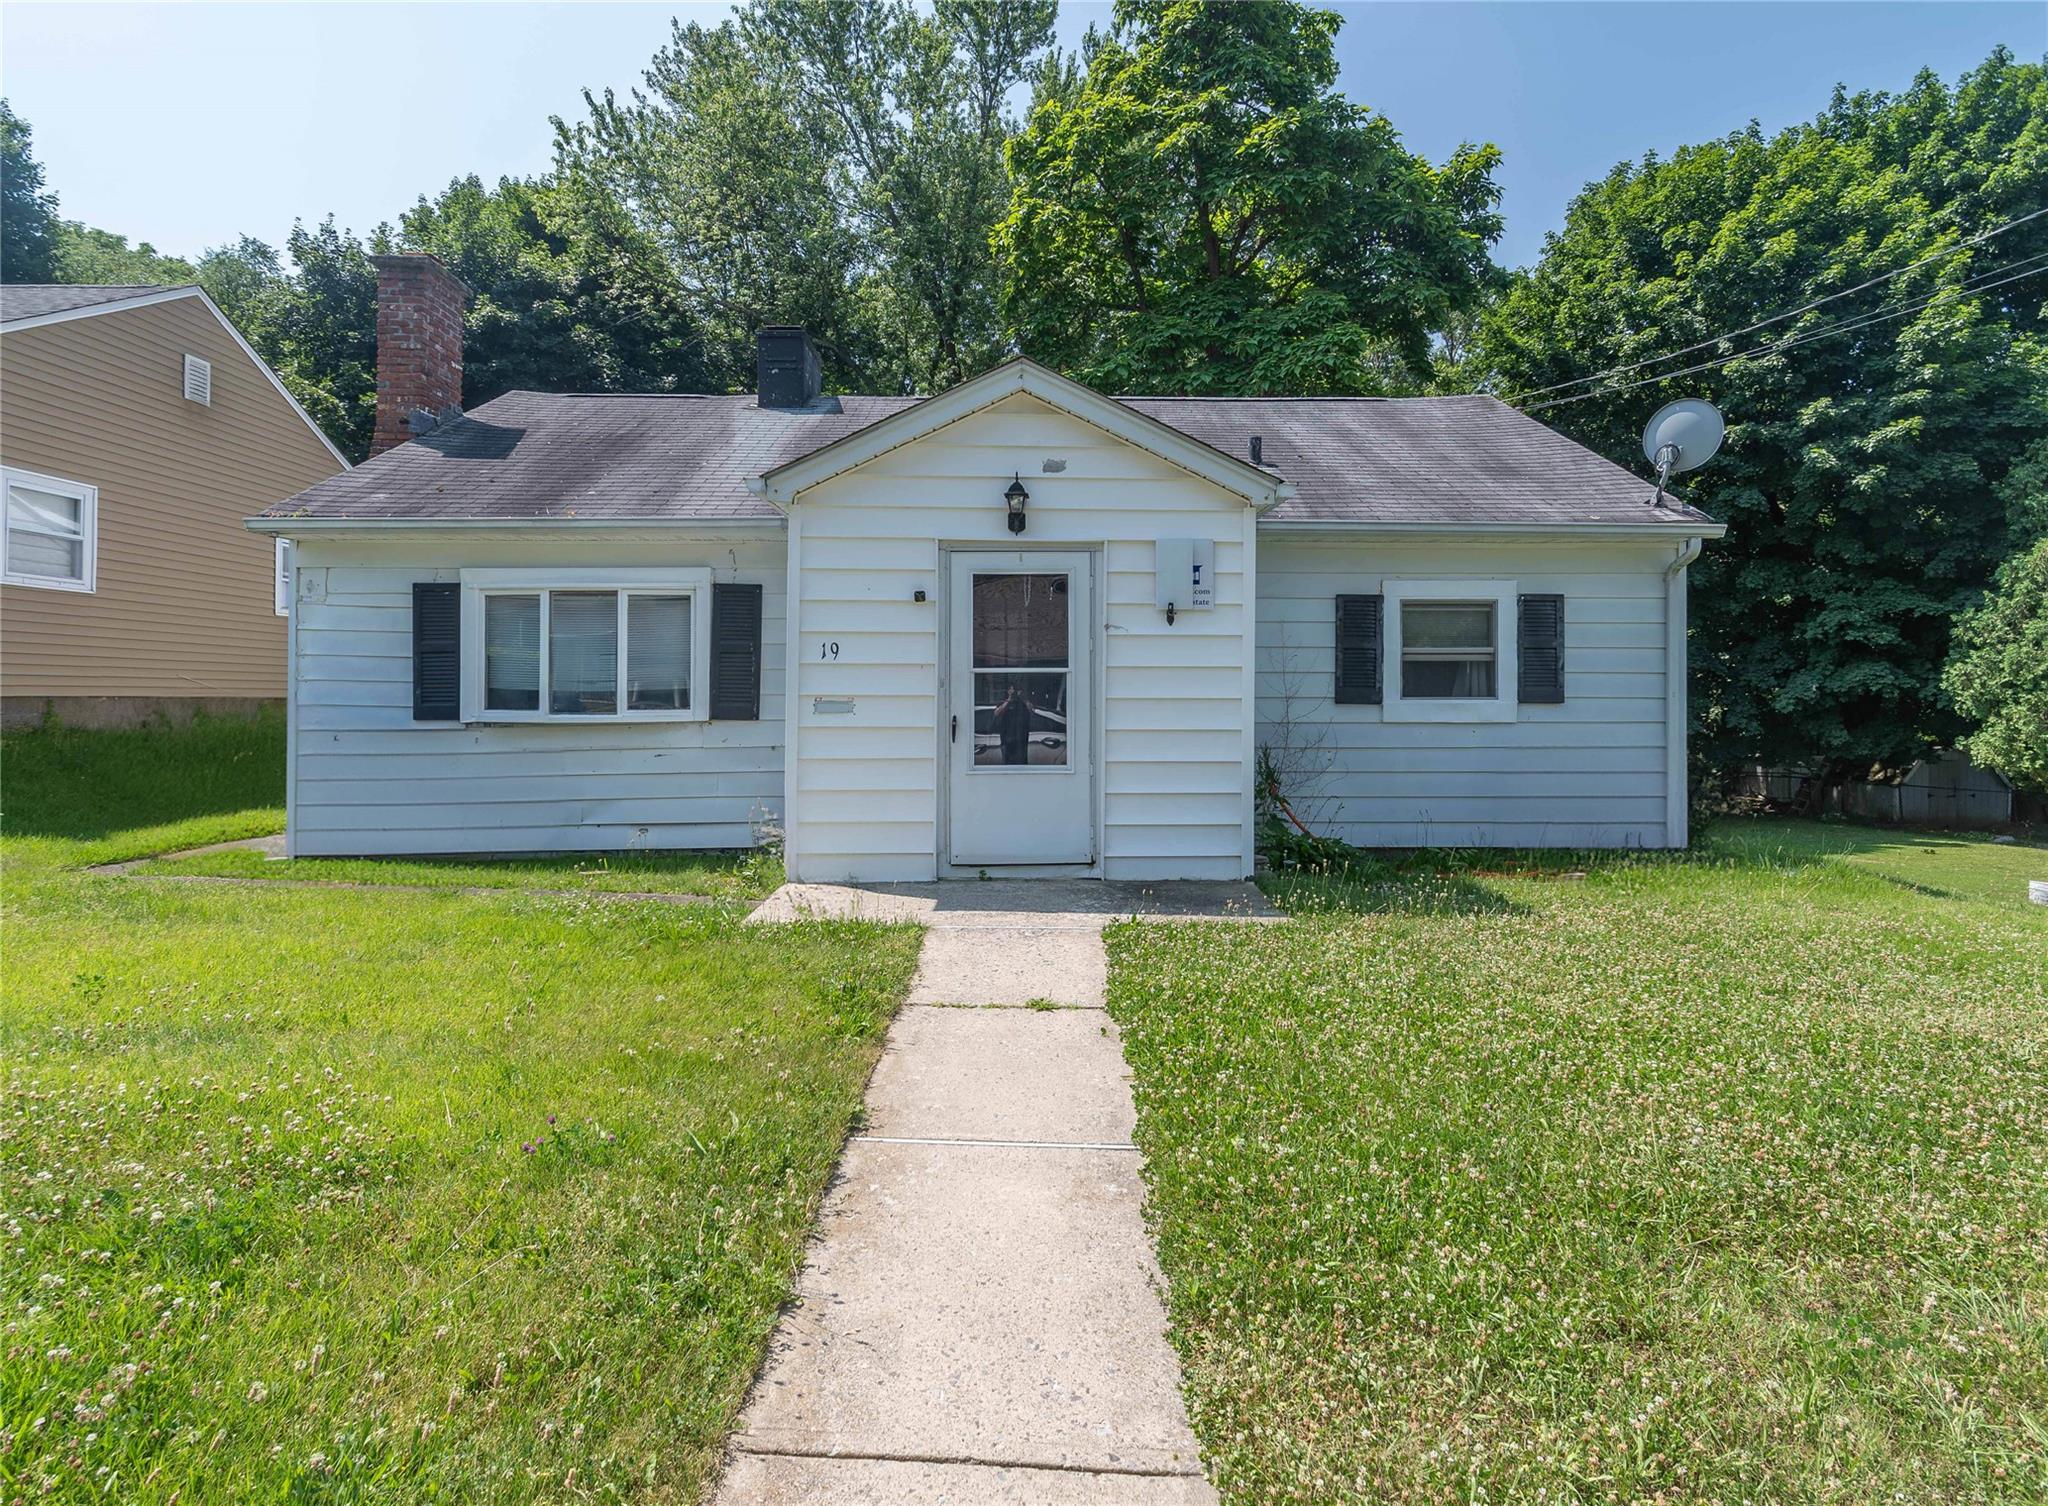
(1020, 742)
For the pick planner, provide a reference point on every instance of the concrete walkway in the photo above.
(979, 1319)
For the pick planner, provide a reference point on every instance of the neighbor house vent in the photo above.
(198, 380)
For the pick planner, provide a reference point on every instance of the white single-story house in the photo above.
(1016, 628)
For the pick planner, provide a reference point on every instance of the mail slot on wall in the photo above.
(1184, 571)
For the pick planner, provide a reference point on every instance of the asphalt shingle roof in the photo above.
(30, 300)
(530, 455)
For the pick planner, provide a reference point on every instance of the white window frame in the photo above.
(1503, 705)
(282, 579)
(89, 528)
(478, 584)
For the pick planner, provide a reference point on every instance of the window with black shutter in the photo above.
(436, 651)
(1541, 637)
(736, 652)
(1358, 650)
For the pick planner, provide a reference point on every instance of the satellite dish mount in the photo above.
(1681, 436)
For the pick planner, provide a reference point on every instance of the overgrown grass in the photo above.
(1721, 1177)
(319, 1194)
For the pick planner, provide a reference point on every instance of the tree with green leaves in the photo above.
(28, 214)
(88, 255)
(1869, 435)
(1998, 674)
(566, 295)
(836, 165)
(311, 314)
(1195, 208)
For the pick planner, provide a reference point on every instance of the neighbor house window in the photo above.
(52, 532)
(1449, 649)
(592, 646)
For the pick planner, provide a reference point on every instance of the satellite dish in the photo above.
(1681, 436)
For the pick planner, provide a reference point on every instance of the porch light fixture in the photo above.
(1015, 498)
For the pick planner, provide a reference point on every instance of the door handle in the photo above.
(956, 729)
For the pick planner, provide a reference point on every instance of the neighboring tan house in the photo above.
(137, 431)
(1020, 627)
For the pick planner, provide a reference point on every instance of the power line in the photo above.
(1805, 308)
(1846, 326)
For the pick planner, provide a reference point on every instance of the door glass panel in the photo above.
(1020, 671)
(1020, 621)
(1020, 719)
(583, 653)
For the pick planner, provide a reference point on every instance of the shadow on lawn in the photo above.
(58, 781)
(1386, 889)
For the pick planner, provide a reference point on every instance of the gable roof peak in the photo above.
(1257, 485)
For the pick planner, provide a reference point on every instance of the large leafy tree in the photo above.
(1869, 436)
(28, 214)
(1196, 209)
(565, 296)
(836, 165)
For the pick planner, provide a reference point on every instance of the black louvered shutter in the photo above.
(1541, 635)
(735, 653)
(436, 651)
(1358, 651)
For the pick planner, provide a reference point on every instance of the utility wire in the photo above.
(1842, 327)
(1805, 308)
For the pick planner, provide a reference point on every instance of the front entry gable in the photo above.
(1257, 486)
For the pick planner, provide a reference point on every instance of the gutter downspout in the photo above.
(1677, 799)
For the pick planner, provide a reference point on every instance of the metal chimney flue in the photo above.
(789, 375)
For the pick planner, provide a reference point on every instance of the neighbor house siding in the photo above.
(1588, 772)
(1172, 777)
(367, 778)
(184, 603)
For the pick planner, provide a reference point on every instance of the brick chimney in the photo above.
(419, 347)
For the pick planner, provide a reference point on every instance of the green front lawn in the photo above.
(1584, 1179)
(738, 876)
(347, 1195)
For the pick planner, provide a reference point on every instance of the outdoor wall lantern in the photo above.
(1015, 498)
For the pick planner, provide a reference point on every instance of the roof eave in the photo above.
(1658, 529)
(299, 527)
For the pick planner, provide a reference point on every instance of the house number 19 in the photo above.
(829, 650)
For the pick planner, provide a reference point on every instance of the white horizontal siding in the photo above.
(1172, 777)
(1590, 772)
(366, 778)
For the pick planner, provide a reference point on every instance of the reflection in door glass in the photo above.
(1020, 671)
(1020, 621)
(1020, 718)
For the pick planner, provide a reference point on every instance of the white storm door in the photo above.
(1019, 742)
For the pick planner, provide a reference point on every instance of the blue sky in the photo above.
(186, 125)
